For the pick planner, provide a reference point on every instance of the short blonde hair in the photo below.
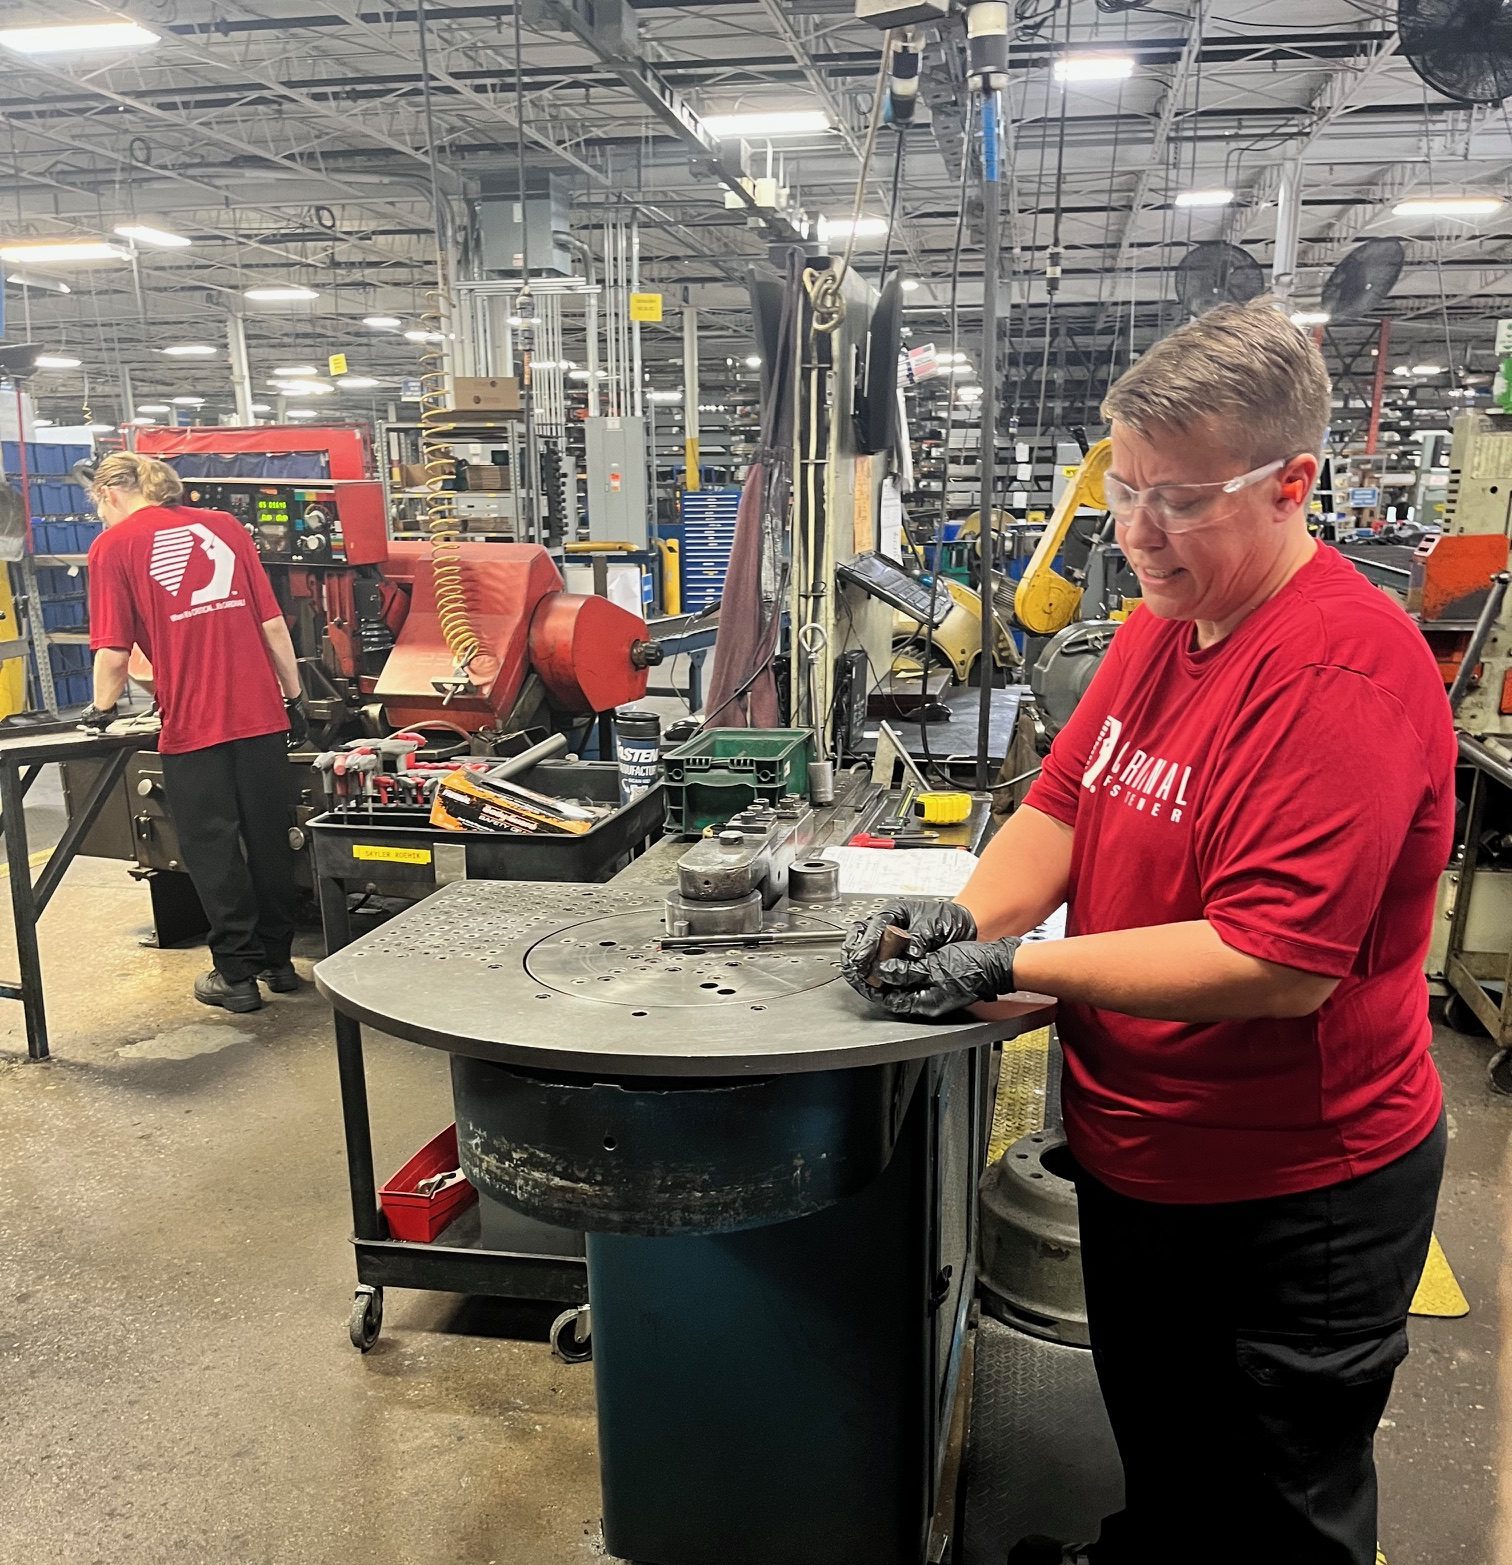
(155, 481)
(1242, 366)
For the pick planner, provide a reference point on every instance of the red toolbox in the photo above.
(419, 1217)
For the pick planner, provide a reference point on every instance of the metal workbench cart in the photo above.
(396, 853)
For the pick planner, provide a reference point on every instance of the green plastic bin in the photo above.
(718, 773)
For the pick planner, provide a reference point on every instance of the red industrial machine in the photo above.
(1448, 588)
(366, 615)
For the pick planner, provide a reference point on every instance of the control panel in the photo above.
(310, 523)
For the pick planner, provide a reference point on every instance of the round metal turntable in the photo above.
(564, 978)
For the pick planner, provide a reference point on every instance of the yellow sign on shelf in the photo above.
(368, 850)
(337, 363)
(646, 307)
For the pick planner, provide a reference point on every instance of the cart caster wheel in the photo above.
(367, 1317)
(572, 1337)
(1499, 1071)
(1459, 1017)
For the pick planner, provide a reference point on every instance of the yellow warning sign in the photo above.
(646, 307)
(368, 850)
(337, 363)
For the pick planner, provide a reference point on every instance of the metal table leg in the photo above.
(367, 1220)
(24, 912)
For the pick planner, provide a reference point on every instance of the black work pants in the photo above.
(230, 806)
(1245, 1353)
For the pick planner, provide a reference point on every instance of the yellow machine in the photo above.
(1045, 602)
(958, 639)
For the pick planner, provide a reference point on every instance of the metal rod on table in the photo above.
(522, 762)
(775, 937)
(23, 907)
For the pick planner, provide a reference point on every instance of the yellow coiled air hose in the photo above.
(438, 424)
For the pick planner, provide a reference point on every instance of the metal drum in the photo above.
(1030, 1255)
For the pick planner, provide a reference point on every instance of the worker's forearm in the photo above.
(109, 677)
(281, 650)
(1023, 875)
(1174, 972)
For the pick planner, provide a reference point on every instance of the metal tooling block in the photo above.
(563, 979)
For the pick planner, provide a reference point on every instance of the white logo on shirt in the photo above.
(1102, 752)
(1152, 784)
(172, 550)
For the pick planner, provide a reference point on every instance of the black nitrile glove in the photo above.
(945, 981)
(95, 720)
(299, 724)
(930, 921)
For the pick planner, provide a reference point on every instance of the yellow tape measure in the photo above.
(944, 809)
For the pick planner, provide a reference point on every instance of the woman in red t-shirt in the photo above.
(1247, 1090)
(186, 586)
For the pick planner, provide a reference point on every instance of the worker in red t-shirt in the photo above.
(186, 586)
(1247, 817)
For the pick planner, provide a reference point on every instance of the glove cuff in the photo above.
(999, 968)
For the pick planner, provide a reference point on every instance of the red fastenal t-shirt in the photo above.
(187, 587)
(1293, 785)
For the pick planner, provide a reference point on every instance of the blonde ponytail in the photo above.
(155, 481)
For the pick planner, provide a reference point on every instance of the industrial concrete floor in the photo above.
(176, 1383)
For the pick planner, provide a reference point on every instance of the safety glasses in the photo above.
(1179, 508)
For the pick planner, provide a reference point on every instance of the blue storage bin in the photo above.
(69, 657)
(74, 690)
(65, 614)
(48, 459)
(83, 534)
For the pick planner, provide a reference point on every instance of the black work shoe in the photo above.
(281, 980)
(1040, 1550)
(214, 988)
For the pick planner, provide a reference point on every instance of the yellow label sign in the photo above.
(337, 363)
(368, 850)
(646, 307)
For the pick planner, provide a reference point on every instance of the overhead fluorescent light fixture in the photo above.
(279, 293)
(1448, 206)
(188, 402)
(262, 407)
(1417, 369)
(864, 227)
(969, 393)
(1200, 198)
(76, 38)
(304, 388)
(911, 285)
(1094, 67)
(1401, 369)
(1310, 317)
(753, 361)
(57, 252)
(56, 361)
(382, 322)
(100, 429)
(774, 122)
(190, 350)
(157, 238)
(424, 336)
(42, 423)
(664, 396)
(154, 407)
(358, 382)
(296, 371)
(301, 413)
(45, 284)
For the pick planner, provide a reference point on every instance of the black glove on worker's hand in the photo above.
(944, 981)
(299, 724)
(931, 922)
(95, 720)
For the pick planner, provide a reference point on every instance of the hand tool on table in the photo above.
(917, 839)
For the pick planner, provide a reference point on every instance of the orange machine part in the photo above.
(1451, 574)
(580, 646)
(505, 584)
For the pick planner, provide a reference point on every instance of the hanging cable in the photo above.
(825, 288)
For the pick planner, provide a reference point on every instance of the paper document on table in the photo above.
(910, 872)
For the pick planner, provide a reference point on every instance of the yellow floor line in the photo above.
(41, 856)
